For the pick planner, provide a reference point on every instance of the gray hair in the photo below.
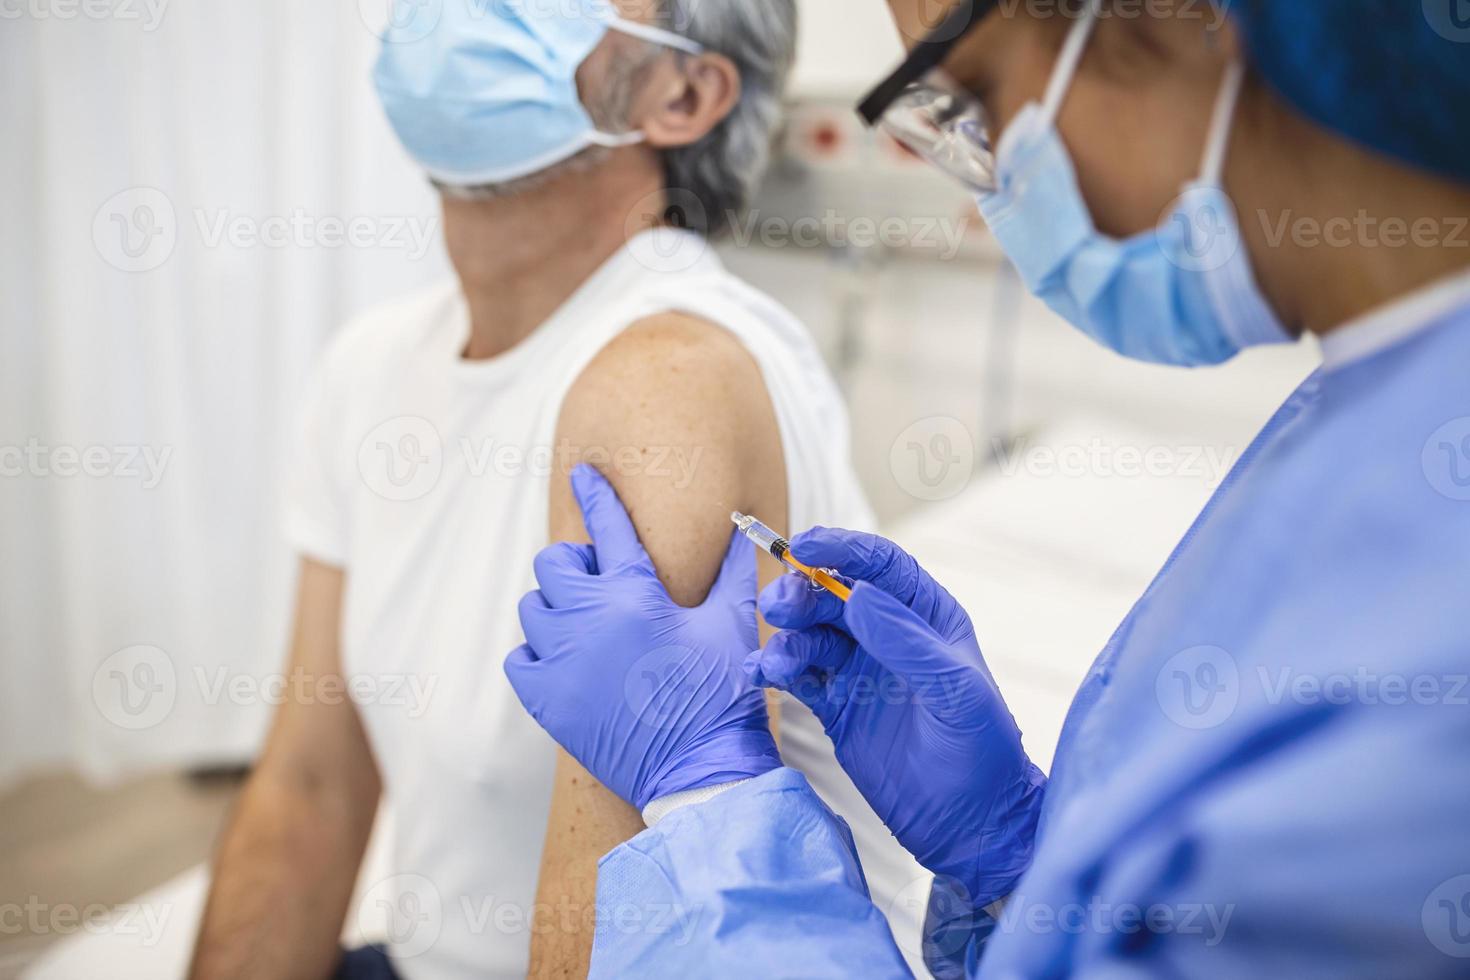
(722, 170)
(711, 181)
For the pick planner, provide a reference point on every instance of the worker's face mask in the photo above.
(485, 91)
(1183, 293)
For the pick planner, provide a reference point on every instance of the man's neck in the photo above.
(520, 258)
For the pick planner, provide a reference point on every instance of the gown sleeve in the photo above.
(763, 880)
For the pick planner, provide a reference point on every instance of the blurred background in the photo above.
(197, 194)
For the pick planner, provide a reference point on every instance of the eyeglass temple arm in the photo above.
(927, 55)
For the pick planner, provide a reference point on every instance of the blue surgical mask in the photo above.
(1183, 293)
(485, 91)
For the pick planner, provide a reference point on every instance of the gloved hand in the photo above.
(897, 679)
(647, 695)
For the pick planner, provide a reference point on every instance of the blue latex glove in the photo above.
(897, 679)
(647, 695)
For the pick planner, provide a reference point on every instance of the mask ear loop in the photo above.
(1212, 171)
(655, 35)
(1067, 62)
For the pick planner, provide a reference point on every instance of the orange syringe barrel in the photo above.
(819, 577)
(777, 547)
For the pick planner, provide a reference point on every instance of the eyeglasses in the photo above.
(928, 112)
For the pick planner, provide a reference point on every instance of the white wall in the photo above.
(847, 46)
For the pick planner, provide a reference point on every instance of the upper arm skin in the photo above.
(675, 413)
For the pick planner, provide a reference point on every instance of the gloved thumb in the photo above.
(607, 521)
(895, 636)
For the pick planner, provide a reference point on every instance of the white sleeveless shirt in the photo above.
(426, 477)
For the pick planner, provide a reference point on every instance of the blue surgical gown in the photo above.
(1265, 774)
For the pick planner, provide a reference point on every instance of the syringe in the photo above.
(776, 546)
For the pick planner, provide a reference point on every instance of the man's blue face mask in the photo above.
(1183, 293)
(485, 91)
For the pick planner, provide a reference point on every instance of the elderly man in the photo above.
(434, 461)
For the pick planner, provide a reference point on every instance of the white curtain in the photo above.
(194, 194)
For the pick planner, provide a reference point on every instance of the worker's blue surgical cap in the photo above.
(1393, 75)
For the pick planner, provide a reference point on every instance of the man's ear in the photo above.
(687, 97)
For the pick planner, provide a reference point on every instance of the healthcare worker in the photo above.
(1267, 771)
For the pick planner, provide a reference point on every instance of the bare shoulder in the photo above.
(676, 413)
(674, 371)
